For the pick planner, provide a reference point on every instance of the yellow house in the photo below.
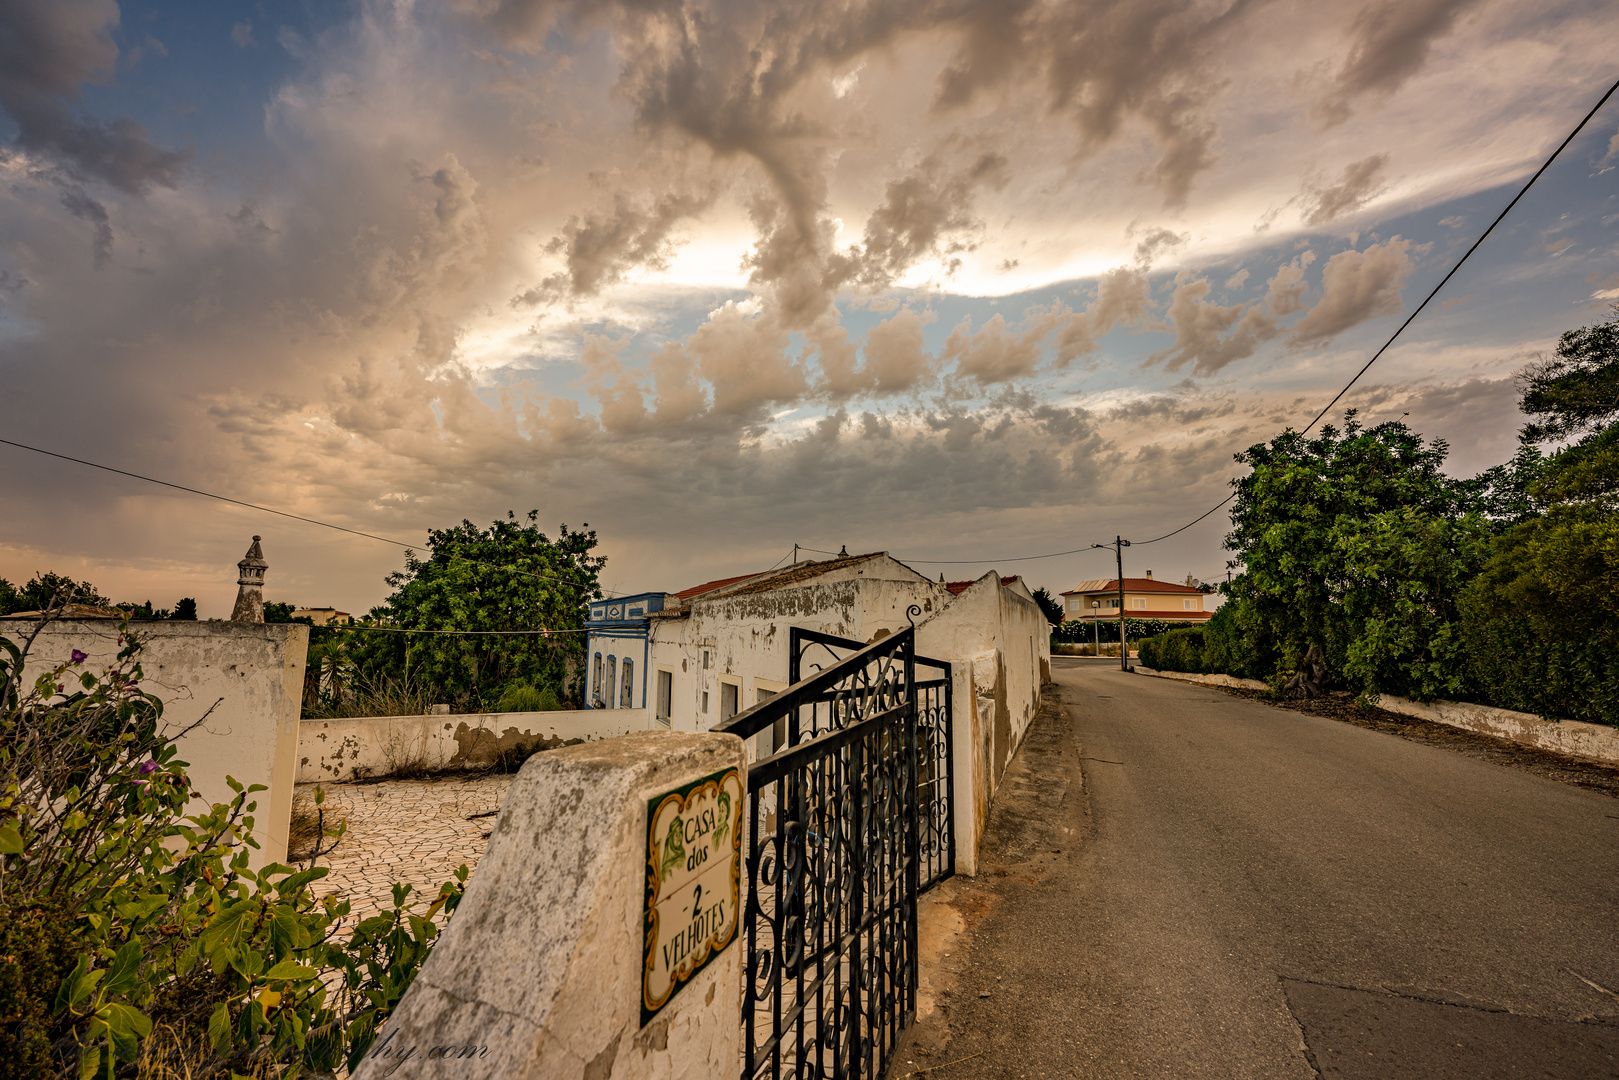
(1144, 598)
(322, 616)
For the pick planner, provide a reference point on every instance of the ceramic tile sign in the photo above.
(693, 882)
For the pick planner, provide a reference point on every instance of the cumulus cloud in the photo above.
(1356, 286)
(896, 360)
(48, 50)
(1212, 336)
(994, 354)
(333, 333)
(925, 213)
(599, 248)
(1359, 183)
(1391, 43)
(1121, 300)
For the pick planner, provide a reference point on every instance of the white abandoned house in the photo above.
(700, 656)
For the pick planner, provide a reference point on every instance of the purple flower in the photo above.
(79, 657)
(148, 768)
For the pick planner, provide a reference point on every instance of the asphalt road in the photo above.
(1182, 883)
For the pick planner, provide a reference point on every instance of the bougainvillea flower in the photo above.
(79, 657)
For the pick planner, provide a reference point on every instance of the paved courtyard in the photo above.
(414, 831)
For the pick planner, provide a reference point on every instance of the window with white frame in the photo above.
(1139, 603)
(1189, 605)
(666, 695)
(728, 698)
(627, 698)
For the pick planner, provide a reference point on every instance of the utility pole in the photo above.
(1118, 546)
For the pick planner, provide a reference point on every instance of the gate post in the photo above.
(600, 936)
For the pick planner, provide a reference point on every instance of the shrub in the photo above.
(523, 696)
(1236, 641)
(1539, 622)
(36, 951)
(167, 928)
(1178, 650)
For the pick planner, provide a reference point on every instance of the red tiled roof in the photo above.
(1131, 584)
(777, 579)
(804, 571)
(710, 586)
(958, 587)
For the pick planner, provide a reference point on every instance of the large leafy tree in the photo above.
(1355, 541)
(508, 577)
(45, 589)
(1542, 620)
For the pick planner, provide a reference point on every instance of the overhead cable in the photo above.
(1367, 366)
(281, 513)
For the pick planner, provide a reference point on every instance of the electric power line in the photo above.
(1367, 366)
(282, 513)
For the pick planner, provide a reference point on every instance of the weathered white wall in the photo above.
(997, 640)
(251, 674)
(747, 637)
(542, 962)
(999, 645)
(354, 747)
(1563, 736)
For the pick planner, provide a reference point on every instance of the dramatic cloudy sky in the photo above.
(958, 279)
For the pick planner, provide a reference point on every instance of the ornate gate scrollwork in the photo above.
(847, 823)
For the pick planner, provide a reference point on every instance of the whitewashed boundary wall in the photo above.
(539, 973)
(255, 673)
(1572, 737)
(999, 645)
(370, 746)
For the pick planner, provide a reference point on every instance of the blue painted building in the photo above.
(617, 650)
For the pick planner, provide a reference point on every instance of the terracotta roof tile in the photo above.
(1131, 584)
(804, 571)
(717, 583)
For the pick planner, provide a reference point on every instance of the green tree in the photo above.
(45, 589)
(1050, 605)
(1358, 542)
(1542, 620)
(508, 577)
(185, 608)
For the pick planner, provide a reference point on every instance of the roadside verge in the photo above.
(1572, 737)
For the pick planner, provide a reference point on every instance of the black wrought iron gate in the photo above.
(849, 820)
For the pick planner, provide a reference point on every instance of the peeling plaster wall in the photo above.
(382, 745)
(999, 644)
(250, 674)
(746, 637)
(996, 639)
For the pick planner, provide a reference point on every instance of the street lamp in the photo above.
(1118, 546)
(1096, 625)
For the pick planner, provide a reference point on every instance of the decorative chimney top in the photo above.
(250, 586)
(1149, 575)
